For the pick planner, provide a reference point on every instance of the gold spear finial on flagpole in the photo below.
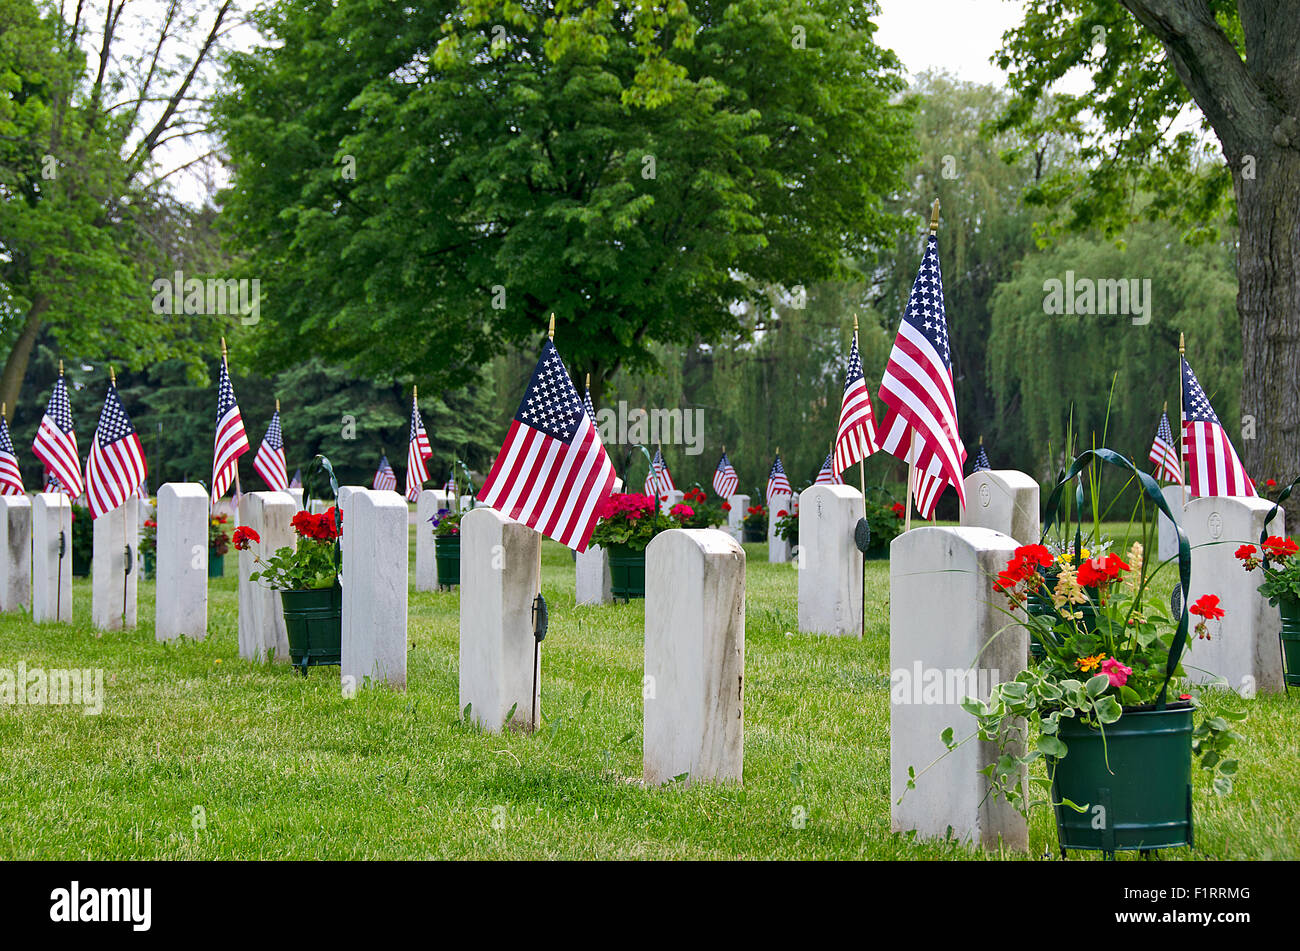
(550, 333)
(277, 404)
(981, 440)
(2, 411)
(1166, 409)
(112, 377)
(415, 393)
(60, 368)
(1182, 344)
(588, 381)
(934, 217)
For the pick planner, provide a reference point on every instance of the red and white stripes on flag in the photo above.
(856, 437)
(269, 461)
(552, 472)
(417, 450)
(827, 475)
(116, 466)
(1213, 467)
(725, 480)
(777, 482)
(921, 425)
(231, 441)
(11, 479)
(1164, 455)
(56, 442)
(658, 481)
(385, 477)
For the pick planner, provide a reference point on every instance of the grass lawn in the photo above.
(278, 766)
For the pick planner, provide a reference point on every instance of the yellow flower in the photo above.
(217, 661)
(1091, 663)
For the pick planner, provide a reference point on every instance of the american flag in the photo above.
(11, 480)
(52, 483)
(856, 437)
(725, 480)
(450, 485)
(587, 404)
(981, 460)
(1168, 465)
(269, 461)
(828, 475)
(921, 425)
(385, 477)
(116, 466)
(417, 450)
(658, 480)
(1213, 467)
(296, 481)
(231, 441)
(777, 483)
(552, 472)
(56, 443)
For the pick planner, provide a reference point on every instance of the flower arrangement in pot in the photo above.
(885, 519)
(218, 544)
(754, 524)
(1276, 559)
(1106, 711)
(149, 546)
(694, 510)
(787, 523)
(628, 521)
(446, 545)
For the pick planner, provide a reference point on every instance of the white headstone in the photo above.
(943, 615)
(467, 502)
(181, 561)
(113, 588)
(1175, 496)
(374, 593)
(592, 581)
(498, 582)
(736, 517)
(426, 566)
(778, 549)
(1004, 500)
(16, 552)
(261, 614)
(694, 697)
(296, 493)
(1243, 646)
(51, 575)
(830, 565)
(674, 497)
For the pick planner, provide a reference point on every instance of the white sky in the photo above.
(955, 35)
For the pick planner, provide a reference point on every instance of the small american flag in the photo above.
(269, 461)
(856, 437)
(658, 480)
(1213, 467)
(116, 466)
(11, 480)
(385, 478)
(725, 480)
(827, 474)
(777, 483)
(450, 485)
(231, 441)
(52, 483)
(56, 443)
(417, 450)
(587, 404)
(981, 460)
(296, 481)
(1168, 465)
(921, 425)
(552, 472)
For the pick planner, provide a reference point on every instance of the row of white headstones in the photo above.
(943, 614)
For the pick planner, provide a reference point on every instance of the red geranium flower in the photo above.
(782, 514)
(681, 511)
(726, 506)
(898, 510)
(244, 535)
(1279, 548)
(1207, 606)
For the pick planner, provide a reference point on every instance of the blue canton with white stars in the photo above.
(1195, 403)
(1163, 432)
(551, 403)
(777, 468)
(59, 409)
(855, 365)
(6, 442)
(275, 438)
(416, 423)
(925, 306)
(113, 421)
(225, 395)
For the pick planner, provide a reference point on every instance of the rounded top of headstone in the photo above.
(182, 490)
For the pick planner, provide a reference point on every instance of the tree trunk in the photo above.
(1268, 304)
(11, 381)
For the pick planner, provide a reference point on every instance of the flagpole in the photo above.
(58, 586)
(112, 381)
(1182, 349)
(537, 644)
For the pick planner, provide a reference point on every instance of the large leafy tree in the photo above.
(419, 184)
(1239, 63)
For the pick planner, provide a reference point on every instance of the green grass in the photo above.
(285, 767)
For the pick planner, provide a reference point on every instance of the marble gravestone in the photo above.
(592, 584)
(51, 574)
(1243, 645)
(1167, 546)
(426, 567)
(15, 552)
(778, 549)
(694, 696)
(830, 564)
(115, 567)
(499, 576)
(944, 615)
(674, 497)
(262, 633)
(1004, 500)
(736, 517)
(375, 558)
(181, 561)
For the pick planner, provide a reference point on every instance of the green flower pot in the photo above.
(80, 564)
(216, 565)
(313, 619)
(1137, 788)
(446, 552)
(147, 556)
(1290, 611)
(755, 534)
(626, 572)
(877, 552)
(1040, 605)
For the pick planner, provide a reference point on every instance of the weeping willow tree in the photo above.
(1047, 369)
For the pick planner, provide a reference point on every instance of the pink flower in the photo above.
(1116, 671)
(682, 511)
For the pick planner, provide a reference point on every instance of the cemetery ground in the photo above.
(198, 754)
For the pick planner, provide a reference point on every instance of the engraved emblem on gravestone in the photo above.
(984, 495)
(1216, 525)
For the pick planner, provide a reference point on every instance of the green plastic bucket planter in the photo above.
(754, 534)
(148, 563)
(1290, 611)
(313, 620)
(446, 552)
(1137, 788)
(626, 572)
(216, 565)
